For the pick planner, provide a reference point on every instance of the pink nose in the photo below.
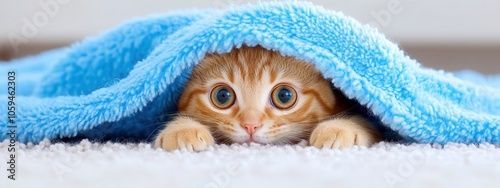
(251, 128)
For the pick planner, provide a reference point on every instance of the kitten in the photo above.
(255, 95)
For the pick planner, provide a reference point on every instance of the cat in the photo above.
(256, 95)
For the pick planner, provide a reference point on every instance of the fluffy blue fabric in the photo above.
(125, 82)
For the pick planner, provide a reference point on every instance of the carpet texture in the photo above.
(139, 165)
(123, 82)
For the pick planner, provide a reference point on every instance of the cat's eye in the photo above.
(283, 97)
(222, 96)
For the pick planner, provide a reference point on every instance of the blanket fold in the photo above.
(126, 82)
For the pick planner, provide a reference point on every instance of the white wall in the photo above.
(423, 21)
(412, 23)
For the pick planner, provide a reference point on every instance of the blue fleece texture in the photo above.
(126, 82)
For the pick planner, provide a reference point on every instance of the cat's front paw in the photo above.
(191, 138)
(342, 133)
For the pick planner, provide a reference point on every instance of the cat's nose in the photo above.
(251, 127)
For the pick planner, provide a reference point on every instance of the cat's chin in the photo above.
(260, 140)
(250, 140)
(264, 142)
(253, 142)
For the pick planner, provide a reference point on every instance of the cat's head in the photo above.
(255, 95)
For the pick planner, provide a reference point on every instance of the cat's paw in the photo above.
(191, 138)
(341, 133)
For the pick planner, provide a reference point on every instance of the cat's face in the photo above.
(255, 95)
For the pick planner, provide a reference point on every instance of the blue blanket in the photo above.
(126, 82)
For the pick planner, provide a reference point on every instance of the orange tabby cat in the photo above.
(255, 95)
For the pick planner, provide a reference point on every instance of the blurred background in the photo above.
(446, 34)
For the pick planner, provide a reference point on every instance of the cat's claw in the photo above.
(340, 134)
(188, 138)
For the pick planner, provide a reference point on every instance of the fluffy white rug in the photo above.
(139, 165)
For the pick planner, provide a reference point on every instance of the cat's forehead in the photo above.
(254, 66)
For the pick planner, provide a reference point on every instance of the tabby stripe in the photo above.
(203, 109)
(301, 113)
(185, 104)
(206, 111)
(241, 65)
(231, 76)
(234, 111)
(321, 102)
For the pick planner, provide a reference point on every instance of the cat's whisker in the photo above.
(289, 136)
(168, 116)
(149, 136)
(201, 118)
(223, 139)
(224, 91)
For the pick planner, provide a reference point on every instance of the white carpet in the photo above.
(138, 165)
